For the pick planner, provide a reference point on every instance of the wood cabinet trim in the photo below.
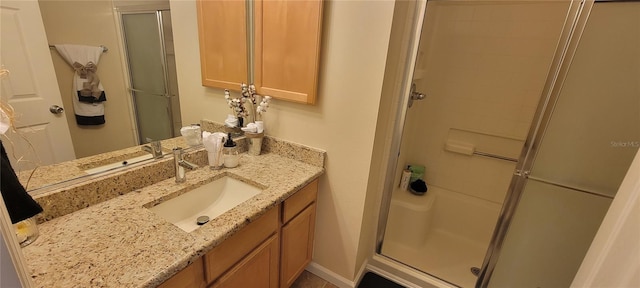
(232, 250)
(298, 201)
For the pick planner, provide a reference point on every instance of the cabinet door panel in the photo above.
(190, 277)
(297, 245)
(287, 49)
(222, 31)
(232, 250)
(259, 269)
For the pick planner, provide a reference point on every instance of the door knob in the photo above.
(414, 95)
(55, 109)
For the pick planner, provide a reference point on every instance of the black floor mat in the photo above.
(372, 280)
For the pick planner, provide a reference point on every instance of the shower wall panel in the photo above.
(483, 65)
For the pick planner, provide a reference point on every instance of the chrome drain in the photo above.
(202, 220)
(475, 271)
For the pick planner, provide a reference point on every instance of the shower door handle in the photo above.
(414, 95)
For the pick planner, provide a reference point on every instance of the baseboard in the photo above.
(333, 277)
(361, 272)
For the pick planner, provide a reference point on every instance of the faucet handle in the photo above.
(177, 153)
(180, 164)
(155, 148)
(156, 145)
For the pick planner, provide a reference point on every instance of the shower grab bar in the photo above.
(470, 149)
(587, 191)
(104, 48)
(505, 158)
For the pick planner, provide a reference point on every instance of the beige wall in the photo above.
(91, 23)
(355, 40)
(398, 55)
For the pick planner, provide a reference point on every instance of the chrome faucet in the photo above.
(155, 148)
(180, 164)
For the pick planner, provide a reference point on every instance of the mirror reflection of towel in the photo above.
(19, 203)
(88, 93)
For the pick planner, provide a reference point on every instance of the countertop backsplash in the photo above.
(99, 188)
(99, 233)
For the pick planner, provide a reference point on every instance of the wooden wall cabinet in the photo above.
(270, 252)
(222, 32)
(287, 49)
(286, 46)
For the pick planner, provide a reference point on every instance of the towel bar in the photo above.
(104, 48)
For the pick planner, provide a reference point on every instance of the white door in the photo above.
(31, 88)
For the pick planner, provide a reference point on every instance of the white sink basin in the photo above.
(209, 200)
(118, 164)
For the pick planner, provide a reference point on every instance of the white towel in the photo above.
(88, 93)
(213, 144)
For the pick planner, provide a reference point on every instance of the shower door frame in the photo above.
(158, 11)
(379, 263)
(572, 32)
(575, 21)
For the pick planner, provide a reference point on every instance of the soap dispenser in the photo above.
(231, 157)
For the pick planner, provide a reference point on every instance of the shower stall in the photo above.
(148, 44)
(530, 122)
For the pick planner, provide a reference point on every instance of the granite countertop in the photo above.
(42, 177)
(119, 243)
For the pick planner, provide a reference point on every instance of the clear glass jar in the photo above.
(255, 143)
(231, 157)
(26, 231)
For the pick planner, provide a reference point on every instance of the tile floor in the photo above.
(309, 280)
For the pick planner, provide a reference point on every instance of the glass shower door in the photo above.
(483, 78)
(588, 145)
(146, 58)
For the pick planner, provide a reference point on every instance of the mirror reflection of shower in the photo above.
(148, 44)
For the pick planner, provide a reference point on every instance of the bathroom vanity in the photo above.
(272, 251)
(122, 243)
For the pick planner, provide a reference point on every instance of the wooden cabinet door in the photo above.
(287, 49)
(297, 245)
(222, 31)
(259, 269)
(190, 277)
(223, 257)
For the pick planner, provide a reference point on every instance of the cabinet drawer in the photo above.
(232, 250)
(298, 201)
(190, 277)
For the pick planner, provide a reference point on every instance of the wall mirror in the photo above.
(137, 73)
